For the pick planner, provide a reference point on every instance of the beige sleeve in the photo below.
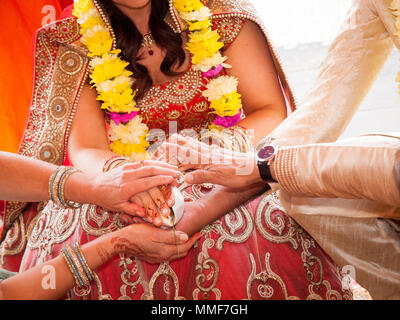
(359, 168)
(351, 66)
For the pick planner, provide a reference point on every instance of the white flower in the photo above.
(100, 60)
(129, 133)
(220, 86)
(85, 16)
(200, 15)
(214, 61)
(109, 85)
(90, 33)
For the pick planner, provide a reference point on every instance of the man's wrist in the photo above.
(255, 176)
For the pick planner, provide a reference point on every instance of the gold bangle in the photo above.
(114, 162)
(61, 189)
(56, 187)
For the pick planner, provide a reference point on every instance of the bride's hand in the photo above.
(211, 164)
(156, 203)
(152, 244)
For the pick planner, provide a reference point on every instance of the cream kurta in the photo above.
(348, 229)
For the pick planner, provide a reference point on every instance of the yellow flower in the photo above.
(108, 67)
(90, 23)
(98, 40)
(203, 44)
(187, 5)
(199, 25)
(228, 105)
(81, 7)
(134, 151)
(199, 15)
(214, 127)
(118, 101)
(214, 61)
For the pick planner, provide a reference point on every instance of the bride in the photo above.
(111, 81)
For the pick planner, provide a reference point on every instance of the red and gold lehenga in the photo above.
(254, 252)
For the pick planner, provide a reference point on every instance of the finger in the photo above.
(152, 214)
(183, 140)
(187, 155)
(166, 190)
(171, 237)
(150, 171)
(146, 163)
(126, 218)
(203, 176)
(133, 209)
(138, 201)
(158, 198)
(182, 250)
(141, 185)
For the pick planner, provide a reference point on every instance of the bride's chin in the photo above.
(132, 4)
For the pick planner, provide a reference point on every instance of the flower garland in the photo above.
(395, 7)
(113, 81)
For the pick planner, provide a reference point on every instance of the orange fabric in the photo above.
(19, 19)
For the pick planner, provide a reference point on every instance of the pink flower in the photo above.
(228, 122)
(122, 117)
(213, 71)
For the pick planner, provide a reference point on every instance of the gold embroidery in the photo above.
(53, 226)
(207, 280)
(131, 277)
(15, 240)
(164, 274)
(272, 221)
(239, 227)
(266, 278)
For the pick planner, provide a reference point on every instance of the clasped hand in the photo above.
(205, 163)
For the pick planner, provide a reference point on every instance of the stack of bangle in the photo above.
(78, 266)
(235, 138)
(115, 162)
(56, 187)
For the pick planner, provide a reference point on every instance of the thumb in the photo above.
(172, 237)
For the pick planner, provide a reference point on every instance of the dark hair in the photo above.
(129, 40)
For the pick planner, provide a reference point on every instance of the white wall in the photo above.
(293, 22)
(302, 30)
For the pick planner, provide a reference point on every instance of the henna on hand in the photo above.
(123, 245)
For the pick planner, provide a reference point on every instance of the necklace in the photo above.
(113, 81)
(147, 42)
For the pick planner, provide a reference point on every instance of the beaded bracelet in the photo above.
(115, 162)
(71, 266)
(78, 251)
(57, 184)
(78, 266)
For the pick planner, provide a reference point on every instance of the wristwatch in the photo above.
(264, 157)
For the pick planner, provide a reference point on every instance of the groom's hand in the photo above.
(211, 164)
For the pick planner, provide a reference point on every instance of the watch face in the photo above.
(266, 152)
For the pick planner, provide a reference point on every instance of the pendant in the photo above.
(148, 42)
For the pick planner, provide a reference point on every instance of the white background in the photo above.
(302, 31)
